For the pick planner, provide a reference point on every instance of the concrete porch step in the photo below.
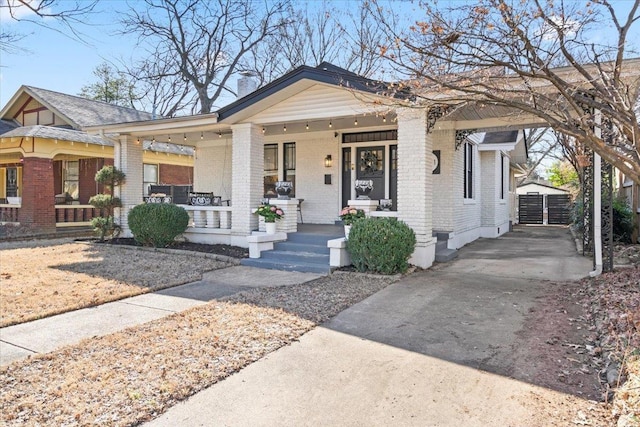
(297, 256)
(446, 255)
(312, 238)
(301, 247)
(275, 264)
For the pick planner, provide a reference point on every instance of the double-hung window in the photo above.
(150, 177)
(70, 178)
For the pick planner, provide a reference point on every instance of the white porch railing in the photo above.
(209, 217)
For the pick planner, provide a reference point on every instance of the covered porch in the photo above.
(322, 131)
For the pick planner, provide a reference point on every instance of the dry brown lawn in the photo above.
(43, 278)
(132, 376)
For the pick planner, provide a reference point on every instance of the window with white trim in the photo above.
(70, 178)
(468, 170)
(149, 177)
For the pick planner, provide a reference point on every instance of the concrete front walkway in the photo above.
(434, 349)
(45, 335)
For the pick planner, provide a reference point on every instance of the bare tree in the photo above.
(43, 13)
(536, 57)
(317, 33)
(205, 41)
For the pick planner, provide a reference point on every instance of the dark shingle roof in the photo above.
(7, 125)
(62, 134)
(502, 137)
(87, 112)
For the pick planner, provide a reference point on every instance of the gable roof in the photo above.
(324, 73)
(78, 111)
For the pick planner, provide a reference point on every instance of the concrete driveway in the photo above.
(434, 349)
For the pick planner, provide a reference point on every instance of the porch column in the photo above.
(127, 156)
(37, 209)
(246, 179)
(415, 193)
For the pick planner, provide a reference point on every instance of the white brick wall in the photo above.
(213, 166)
(247, 182)
(415, 191)
(466, 212)
(128, 158)
(321, 204)
(444, 191)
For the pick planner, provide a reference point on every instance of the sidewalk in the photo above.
(45, 335)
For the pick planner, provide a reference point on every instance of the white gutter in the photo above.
(597, 204)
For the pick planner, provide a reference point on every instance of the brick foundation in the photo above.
(37, 210)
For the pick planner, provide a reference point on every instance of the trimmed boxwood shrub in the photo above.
(157, 224)
(381, 245)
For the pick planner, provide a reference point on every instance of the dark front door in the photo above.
(370, 165)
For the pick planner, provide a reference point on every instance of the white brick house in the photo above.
(323, 128)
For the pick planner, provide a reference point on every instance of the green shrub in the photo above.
(110, 176)
(104, 201)
(381, 245)
(157, 224)
(103, 225)
(622, 220)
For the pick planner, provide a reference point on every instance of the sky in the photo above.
(54, 60)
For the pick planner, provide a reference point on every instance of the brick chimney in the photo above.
(246, 84)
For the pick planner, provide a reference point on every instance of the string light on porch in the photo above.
(384, 119)
(201, 135)
(264, 129)
(185, 138)
(284, 128)
(219, 134)
(169, 138)
(330, 124)
(355, 122)
(307, 127)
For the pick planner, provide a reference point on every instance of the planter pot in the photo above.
(284, 188)
(347, 229)
(270, 227)
(363, 188)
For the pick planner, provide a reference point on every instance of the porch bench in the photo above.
(206, 199)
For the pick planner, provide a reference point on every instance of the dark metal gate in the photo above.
(530, 208)
(559, 209)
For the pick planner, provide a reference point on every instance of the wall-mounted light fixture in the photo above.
(328, 161)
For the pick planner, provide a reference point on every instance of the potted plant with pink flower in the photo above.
(349, 215)
(270, 213)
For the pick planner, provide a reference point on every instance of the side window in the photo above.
(290, 165)
(468, 170)
(270, 169)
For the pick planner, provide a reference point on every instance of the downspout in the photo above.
(597, 204)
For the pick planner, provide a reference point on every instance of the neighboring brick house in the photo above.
(47, 159)
(323, 128)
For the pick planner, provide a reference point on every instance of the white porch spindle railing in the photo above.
(209, 216)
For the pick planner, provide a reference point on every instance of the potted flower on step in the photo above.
(349, 215)
(271, 214)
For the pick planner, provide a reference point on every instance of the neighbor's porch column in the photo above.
(246, 179)
(37, 210)
(415, 190)
(127, 156)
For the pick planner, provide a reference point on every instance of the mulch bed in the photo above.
(227, 250)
